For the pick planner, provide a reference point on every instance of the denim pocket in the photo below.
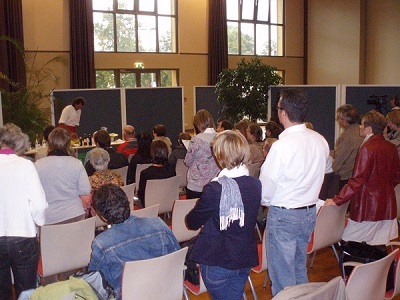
(216, 276)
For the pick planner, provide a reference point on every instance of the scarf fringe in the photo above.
(235, 213)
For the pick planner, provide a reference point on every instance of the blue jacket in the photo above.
(236, 247)
(135, 239)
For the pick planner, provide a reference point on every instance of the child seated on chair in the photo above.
(130, 238)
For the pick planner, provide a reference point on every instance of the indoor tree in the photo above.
(243, 92)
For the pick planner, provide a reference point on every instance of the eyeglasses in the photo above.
(278, 107)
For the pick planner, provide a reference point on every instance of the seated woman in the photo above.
(373, 211)
(226, 247)
(22, 207)
(254, 136)
(142, 156)
(64, 181)
(99, 159)
(179, 152)
(159, 170)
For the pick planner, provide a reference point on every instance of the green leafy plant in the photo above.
(243, 92)
(26, 106)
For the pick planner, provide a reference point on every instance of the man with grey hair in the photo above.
(347, 144)
(130, 146)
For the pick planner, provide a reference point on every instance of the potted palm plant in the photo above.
(26, 106)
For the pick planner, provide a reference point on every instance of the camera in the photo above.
(378, 101)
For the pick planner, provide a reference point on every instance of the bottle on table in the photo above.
(37, 144)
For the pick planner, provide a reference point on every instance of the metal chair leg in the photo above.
(253, 291)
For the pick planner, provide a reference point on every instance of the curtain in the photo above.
(11, 61)
(217, 40)
(82, 44)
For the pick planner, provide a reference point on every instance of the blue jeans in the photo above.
(288, 234)
(20, 254)
(224, 284)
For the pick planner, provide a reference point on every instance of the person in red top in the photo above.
(130, 146)
(373, 211)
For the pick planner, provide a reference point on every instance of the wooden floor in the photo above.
(325, 268)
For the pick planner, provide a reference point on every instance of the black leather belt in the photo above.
(302, 207)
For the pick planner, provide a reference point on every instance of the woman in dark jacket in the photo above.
(226, 247)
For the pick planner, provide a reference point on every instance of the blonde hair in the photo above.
(230, 149)
(394, 117)
(309, 125)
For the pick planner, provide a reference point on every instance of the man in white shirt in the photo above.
(71, 115)
(291, 178)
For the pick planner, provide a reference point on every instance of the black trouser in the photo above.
(21, 255)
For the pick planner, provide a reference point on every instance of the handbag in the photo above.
(363, 253)
(192, 273)
(98, 283)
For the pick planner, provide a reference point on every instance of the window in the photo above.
(135, 25)
(136, 78)
(255, 27)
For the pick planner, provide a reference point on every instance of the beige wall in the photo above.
(46, 31)
(353, 42)
(333, 41)
(383, 42)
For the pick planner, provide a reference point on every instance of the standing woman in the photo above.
(64, 181)
(226, 247)
(254, 135)
(199, 159)
(373, 212)
(22, 206)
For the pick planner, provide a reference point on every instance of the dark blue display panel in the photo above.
(102, 109)
(360, 95)
(321, 109)
(206, 98)
(146, 107)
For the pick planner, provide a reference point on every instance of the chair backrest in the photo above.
(329, 227)
(181, 170)
(163, 192)
(129, 190)
(262, 256)
(151, 211)
(66, 247)
(99, 222)
(254, 169)
(139, 169)
(332, 290)
(368, 281)
(179, 211)
(396, 278)
(123, 172)
(156, 278)
(397, 192)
